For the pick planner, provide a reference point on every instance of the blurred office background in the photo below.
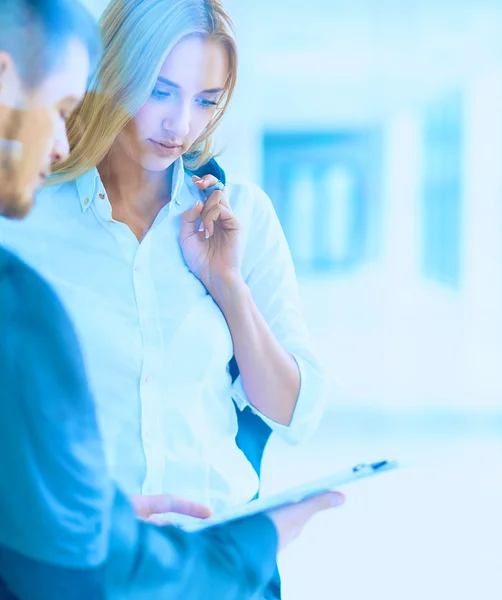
(376, 128)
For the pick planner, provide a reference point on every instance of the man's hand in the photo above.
(149, 507)
(290, 520)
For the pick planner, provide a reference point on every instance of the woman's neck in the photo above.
(136, 195)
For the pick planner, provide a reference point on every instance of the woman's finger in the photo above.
(204, 182)
(217, 213)
(217, 199)
(189, 220)
(207, 223)
(191, 215)
(209, 181)
(225, 198)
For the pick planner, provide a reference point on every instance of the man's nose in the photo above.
(60, 150)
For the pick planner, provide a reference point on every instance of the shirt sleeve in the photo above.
(234, 561)
(269, 272)
(55, 494)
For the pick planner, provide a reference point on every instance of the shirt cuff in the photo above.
(309, 407)
(257, 540)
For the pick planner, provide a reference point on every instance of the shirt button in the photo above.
(102, 196)
(86, 201)
(148, 379)
(137, 268)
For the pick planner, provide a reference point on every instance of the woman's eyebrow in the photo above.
(178, 87)
(168, 82)
(213, 91)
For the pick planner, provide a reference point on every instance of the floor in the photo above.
(414, 375)
(431, 530)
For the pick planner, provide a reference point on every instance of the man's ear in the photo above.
(6, 61)
(10, 83)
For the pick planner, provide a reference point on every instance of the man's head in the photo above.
(47, 50)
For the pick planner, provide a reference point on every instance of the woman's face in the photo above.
(190, 83)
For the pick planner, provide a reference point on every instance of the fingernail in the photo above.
(337, 499)
(207, 234)
(201, 228)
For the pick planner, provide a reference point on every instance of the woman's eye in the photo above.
(160, 94)
(207, 103)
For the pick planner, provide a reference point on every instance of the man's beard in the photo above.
(16, 197)
(14, 204)
(25, 140)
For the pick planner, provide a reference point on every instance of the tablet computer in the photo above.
(291, 496)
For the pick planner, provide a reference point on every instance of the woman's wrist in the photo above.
(229, 291)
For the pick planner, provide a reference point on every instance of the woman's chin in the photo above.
(156, 164)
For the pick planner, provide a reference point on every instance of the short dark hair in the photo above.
(36, 34)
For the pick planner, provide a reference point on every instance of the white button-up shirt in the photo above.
(156, 345)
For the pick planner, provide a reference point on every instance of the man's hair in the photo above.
(36, 33)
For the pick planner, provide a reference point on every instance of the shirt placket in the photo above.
(150, 373)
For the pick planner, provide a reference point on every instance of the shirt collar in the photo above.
(86, 188)
(178, 180)
(88, 183)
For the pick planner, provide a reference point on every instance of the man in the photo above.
(65, 530)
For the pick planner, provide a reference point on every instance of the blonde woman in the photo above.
(165, 287)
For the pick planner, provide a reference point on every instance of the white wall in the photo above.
(95, 6)
(394, 339)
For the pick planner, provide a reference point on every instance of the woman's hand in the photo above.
(149, 508)
(210, 237)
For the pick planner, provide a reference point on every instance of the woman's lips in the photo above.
(164, 149)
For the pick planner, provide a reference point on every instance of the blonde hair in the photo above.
(138, 35)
